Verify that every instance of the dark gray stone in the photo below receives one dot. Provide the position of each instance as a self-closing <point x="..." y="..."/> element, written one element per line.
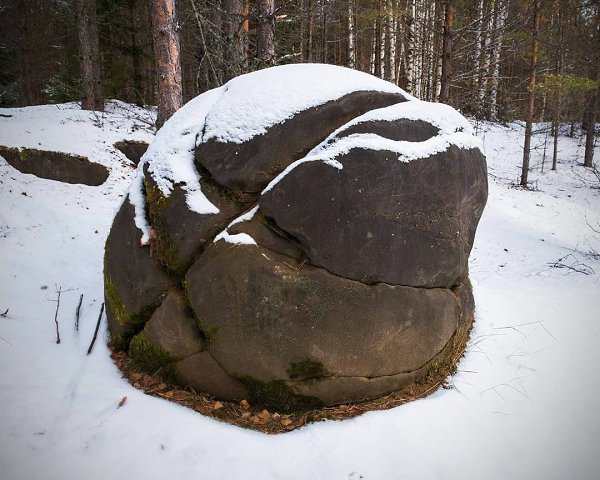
<point x="249" y="166"/>
<point x="204" y="374"/>
<point x="181" y="233"/>
<point x="174" y="330"/>
<point x="270" y="318"/>
<point x="358" y="285"/>
<point x="132" y="149"/>
<point x="59" y="166"/>
<point x="382" y="220"/>
<point x="402" y="129"/>
<point x="134" y="284"/>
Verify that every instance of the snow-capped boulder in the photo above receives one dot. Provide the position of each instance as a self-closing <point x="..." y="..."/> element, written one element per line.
<point x="312" y="225"/>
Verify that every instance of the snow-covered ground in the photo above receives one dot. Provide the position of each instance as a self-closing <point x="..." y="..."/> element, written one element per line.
<point x="524" y="400"/>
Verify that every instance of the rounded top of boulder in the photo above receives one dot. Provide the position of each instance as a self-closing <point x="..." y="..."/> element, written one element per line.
<point x="252" y="103"/>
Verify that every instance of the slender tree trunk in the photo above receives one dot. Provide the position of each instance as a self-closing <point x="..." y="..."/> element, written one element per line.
<point x="234" y="49"/>
<point x="410" y="47"/>
<point x="559" y="71"/>
<point x="351" y="36"/>
<point x="265" y="33"/>
<point x="500" y="12"/>
<point x="447" y="52"/>
<point x="590" y="123"/>
<point x="89" y="55"/>
<point x="393" y="34"/>
<point x="531" y="104"/>
<point x="166" y="58"/>
<point x="377" y="60"/>
<point x="311" y="30"/>
<point x="138" y="84"/>
<point x="388" y="65"/>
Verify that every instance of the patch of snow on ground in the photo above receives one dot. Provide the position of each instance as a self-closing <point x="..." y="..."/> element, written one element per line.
<point x="258" y="100"/>
<point x="525" y="397"/>
<point x="66" y="128"/>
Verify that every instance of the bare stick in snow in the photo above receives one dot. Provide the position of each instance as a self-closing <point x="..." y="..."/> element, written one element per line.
<point x="3" y="315"/>
<point x="97" y="328"/>
<point x="58" y="291"/>
<point x="77" y="313"/>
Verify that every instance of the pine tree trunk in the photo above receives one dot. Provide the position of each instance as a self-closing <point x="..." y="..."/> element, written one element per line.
<point x="89" y="55"/>
<point x="166" y="58"/>
<point x="447" y="52"/>
<point x="531" y="104"/>
<point x="265" y="33"/>
<point x="138" y="84"/>
<point x="234" y="49"/>
<point x="311" y="30"/>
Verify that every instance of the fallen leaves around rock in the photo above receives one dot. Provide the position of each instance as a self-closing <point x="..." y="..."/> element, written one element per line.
<point x="257" y="417"/>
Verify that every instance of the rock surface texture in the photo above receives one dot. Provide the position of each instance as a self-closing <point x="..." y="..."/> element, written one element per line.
<point x="301" y="246"/>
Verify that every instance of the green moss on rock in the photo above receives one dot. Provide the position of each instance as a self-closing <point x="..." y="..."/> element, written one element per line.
<point x="117" y="307"/>
<point x="153" y="359"/>
<point x="115" y="302"/>
<point x="157" y="201"/>
<point x="163" y="247"/>
<point x="276" y="394"/>
<point x="306" y="370"/>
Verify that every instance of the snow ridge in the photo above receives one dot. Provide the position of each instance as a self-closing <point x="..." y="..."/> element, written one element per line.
<point x="238" y="238"/>
<point x="170" y="160"/>
<point x="455" y="130"/>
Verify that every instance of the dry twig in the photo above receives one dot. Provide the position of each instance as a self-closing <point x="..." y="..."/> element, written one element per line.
<point x="97" y="328"/>
<point x="77" y="312"/>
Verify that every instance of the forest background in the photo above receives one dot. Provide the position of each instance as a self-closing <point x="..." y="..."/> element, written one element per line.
<point x="499" y="60"/>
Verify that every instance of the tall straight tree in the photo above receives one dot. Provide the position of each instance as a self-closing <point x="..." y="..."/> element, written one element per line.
<point x="265" y="33"/>
<point x="166" y="59"/>
<point x="234" y="48"/>
<point x="89" y="55"/>
<point x="447" y="51"/>
<point x="531" y="103"/>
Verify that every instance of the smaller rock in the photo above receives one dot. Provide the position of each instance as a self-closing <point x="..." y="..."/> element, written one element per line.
<point x="173" y="329"/>
<point x="203" y="374"/>
<point x="132" y="149"/>
<point x="59" y="166"/>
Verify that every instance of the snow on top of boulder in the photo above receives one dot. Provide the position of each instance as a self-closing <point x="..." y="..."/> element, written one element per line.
<point x="454" y="130"/>
<point x="238" y="238"/>
<point x="170" y="160"/>
<point x="258" y="100"/>
<point x="170" y="157"/>
<point x="440" y="115"/>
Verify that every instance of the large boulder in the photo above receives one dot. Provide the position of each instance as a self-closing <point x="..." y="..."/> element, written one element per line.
<point x="308" y="247"/>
